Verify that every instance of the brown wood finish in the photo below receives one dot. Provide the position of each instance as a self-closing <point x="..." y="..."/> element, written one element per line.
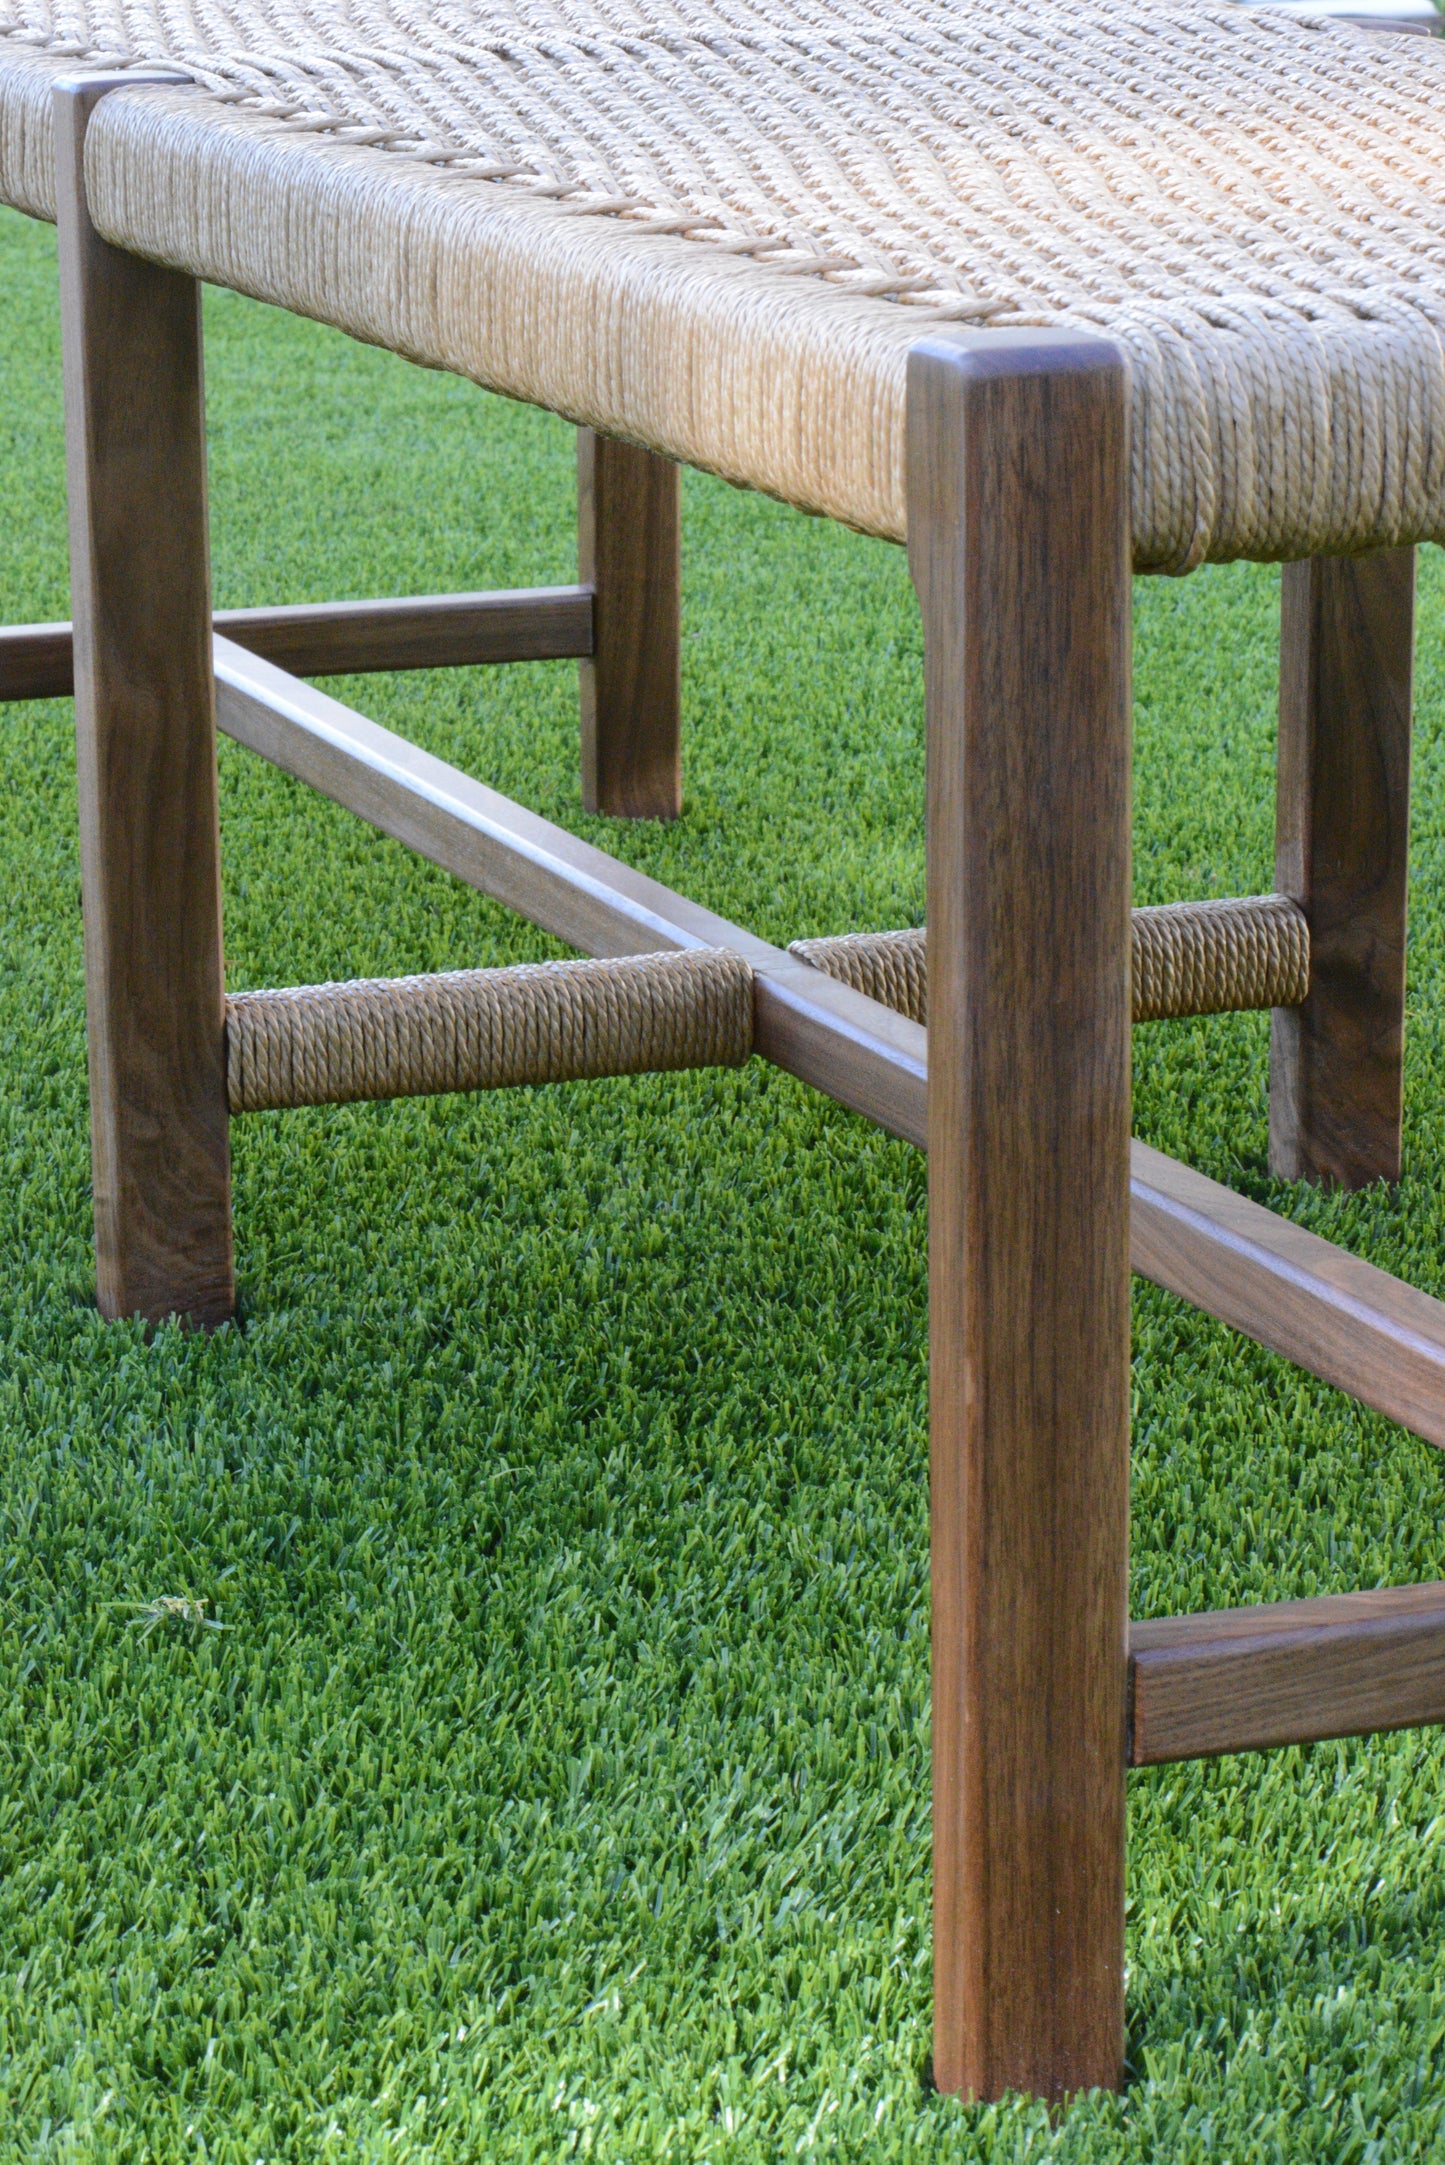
<point x="432" y="631"/>
<point x="150" y="866"/>
<point x="1019" y="547"/>
<point x="1335" y="1315"/>
<point x="1341" y="1318"/>
<point x="1341" y="848"/>
<point x="1288" y="1672"/>
<point x="350" y="638"/>
<point x="629" y="539"/>
<point x="36" y="661"/>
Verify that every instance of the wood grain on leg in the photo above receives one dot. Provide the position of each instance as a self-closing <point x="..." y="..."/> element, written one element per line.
<point x="145" y="731"/>
<point x="629" y="550"/>
<point x="1019" y="546"/>
<point x="1341" y="850"/>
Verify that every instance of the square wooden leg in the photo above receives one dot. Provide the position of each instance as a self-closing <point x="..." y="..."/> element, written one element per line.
<point x="145" y="732"/>
<point x="1019" y="545"/>
<point x="629" y="548"/>
<point x="1341" y="851"/>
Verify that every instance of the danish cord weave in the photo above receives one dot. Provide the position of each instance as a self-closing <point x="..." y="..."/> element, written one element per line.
<point x="1186" y="958"/>
<point x="487" y="1029"/>
<point x="716" y="226"/>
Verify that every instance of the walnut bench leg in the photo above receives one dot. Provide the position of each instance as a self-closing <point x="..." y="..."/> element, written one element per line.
<point x="1019" y="547"/>
<point x="628" y="546"/>
<point x="1341" y="852"/>
<point x="146" y="742"/>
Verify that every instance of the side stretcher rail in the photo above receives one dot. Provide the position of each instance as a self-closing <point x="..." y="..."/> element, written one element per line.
<point x="1286" y="1672"/>
<point x="349" y="638"/>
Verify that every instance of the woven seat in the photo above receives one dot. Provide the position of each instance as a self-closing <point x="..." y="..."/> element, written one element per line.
<point x="717" y="229"/>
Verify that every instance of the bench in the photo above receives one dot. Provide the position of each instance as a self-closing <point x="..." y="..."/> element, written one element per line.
<point x="1051" y="298"/>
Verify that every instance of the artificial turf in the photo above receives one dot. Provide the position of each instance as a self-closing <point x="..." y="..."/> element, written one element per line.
<point x="559" y="1782"/>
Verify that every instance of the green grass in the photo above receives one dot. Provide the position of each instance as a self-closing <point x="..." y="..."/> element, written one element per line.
<point x="559" y="1781"/>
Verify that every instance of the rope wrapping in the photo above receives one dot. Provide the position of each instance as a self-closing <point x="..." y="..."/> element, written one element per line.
<point x="1186" y="958"/>
<point x="638" y="1014"/>
<point x="717" y="229"/>
<point x="1211" y="958"/>
<point x="487" y="1029"/>
<point x="891" y="967"/>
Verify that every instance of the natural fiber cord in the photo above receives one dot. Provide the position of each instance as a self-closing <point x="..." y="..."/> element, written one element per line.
<point x="1187" y="958"/>
<point x="487" y="1029"/>
<point x="1207" y="958"/>
<point x="566" y="1021"/>
<point x="891" y="967"/>
<point x="716" y="226"/>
